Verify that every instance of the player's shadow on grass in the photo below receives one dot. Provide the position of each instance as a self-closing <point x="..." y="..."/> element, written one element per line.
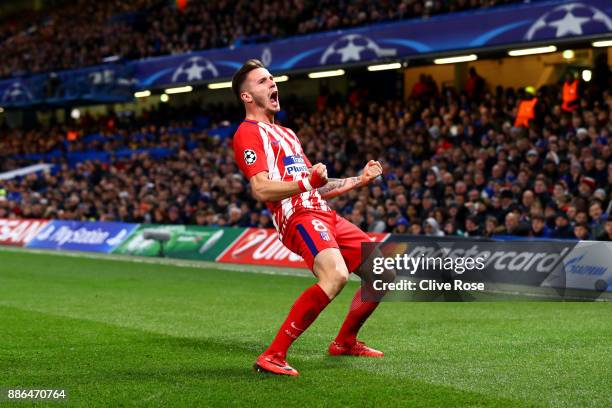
<point x="168" y="359"/>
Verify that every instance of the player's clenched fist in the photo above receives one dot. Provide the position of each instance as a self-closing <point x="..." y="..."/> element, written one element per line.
<point x="371" y="170"/>
<point x="317" y="178"/>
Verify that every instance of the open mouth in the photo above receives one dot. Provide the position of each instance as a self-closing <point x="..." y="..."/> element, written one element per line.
<point x="274" y="98"/>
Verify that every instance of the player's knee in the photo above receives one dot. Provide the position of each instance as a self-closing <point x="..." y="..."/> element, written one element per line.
<point x="340" y="277"/>
<point x="336" y="281"/>
<point x="333" y="276"/>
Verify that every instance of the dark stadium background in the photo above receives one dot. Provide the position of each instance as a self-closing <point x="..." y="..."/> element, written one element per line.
<point x="119" y="150"/>
<point x="454" y="164"/>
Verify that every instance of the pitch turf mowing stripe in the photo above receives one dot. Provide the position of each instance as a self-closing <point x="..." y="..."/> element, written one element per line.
<point x="105" y="365"/>
<point x="203" y="329"/>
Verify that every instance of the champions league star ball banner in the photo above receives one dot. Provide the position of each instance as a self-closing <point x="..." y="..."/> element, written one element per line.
<point x="101" y="83"/>
<point x="496" y="27"/>
<point x="405" y="268"/>
<point x="542" y="21"/>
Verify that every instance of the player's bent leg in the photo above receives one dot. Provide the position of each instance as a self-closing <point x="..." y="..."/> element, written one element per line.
<point x="364" y="303"/>
<point x="365" y="300"/>
<point x="331" y="271"/>
<point x="303" y="312"/>
<point x="388" y="276"/>
<point x="327" y="264"/>
<point x="310" y="237"/>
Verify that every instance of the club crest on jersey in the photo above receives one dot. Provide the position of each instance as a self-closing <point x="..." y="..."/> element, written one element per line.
<point x="250" y="156"/>
<point x="294" y="164"/>
<point x="325" y="236"/>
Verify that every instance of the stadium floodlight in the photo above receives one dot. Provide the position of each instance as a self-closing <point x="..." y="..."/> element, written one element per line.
<point x="532" y="51"/>
<point x="454" y="60"/>
<point x="220" y="85"/>
<point x="603" y="43"/>
<point x="111" y="58"/>
<point x="179" y="89"/>
<point x="164" y="98"/>
<point x="568" y="54"/>
<point x="326" y="74"/>
<point x="281" y="78"/>
<point x="384" y="67"/>
<point x="142" y="94"/>
<point x="587" y="74"/>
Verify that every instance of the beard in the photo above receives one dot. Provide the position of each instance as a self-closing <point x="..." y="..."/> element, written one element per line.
<point x="263" y="102"/>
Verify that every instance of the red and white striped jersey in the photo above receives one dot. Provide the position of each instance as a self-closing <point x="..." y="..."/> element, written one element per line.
<point x="260" y="146"/>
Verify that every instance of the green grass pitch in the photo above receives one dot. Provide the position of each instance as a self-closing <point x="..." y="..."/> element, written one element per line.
<point x="118" y="333"/>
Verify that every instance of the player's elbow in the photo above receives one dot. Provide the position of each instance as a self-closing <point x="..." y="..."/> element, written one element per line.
<point x="258" y="191"/>
<point x="259" y="195"/>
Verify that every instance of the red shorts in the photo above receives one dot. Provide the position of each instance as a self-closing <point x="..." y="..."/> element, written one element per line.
<point x="310" y="232"/>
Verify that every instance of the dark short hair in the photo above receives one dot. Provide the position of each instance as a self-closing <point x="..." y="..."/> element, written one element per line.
<point x="584" y="225"/>
<point x="242" y="73"/>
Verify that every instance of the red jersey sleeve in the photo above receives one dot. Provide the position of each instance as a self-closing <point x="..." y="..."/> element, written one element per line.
<point x="249" y="150"/>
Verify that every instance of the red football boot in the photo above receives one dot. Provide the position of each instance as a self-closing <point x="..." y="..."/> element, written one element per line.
<point x="358" y="349"/>
<point x="275" y="364"/>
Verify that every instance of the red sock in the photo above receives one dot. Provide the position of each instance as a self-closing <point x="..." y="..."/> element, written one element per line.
<point x="358" y="313"/>
<point x="303" y="312"/>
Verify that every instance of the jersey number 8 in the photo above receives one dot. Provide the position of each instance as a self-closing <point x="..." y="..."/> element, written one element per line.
<point x="318" y="225"/>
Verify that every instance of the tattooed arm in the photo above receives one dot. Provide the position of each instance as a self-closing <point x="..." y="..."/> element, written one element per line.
<point x="335" y="187"/>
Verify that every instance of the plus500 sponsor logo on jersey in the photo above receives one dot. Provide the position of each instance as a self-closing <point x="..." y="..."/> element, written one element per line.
<point x="82" y="236"/>
<point x="294" y="164"/>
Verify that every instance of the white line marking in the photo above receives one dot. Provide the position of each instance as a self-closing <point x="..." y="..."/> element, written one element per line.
<point x="183" y="263"/>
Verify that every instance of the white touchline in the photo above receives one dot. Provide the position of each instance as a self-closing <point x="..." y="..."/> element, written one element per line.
<point x="183" y="263"/>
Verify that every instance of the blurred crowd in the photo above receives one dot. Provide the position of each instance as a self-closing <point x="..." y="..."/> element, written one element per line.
<point x="73" y="34"/>
<point x="454" y="164"/>
<point x="86" y="32"/>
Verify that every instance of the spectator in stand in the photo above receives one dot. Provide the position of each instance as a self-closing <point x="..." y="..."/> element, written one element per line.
<point x="420" y="88"/>
<point x="472" y="227"/>
<point x="374" y="221"/>
<point x="563" y="229"/>
<point x="539" y="228"/>
<point x="514" y="226"/>
<point x="416" y="227"/>
<point x="491" y="226"/>
<point x="582" y="232"/>
<point x="527" y="109"/>
<point x="571" y="94"/>
<point x="432" y="228"/>
<point x="475" y="85"/>
<point x="597" y="216"/>
<point x="606" y="235"/>
<point x="401" y="227"/>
